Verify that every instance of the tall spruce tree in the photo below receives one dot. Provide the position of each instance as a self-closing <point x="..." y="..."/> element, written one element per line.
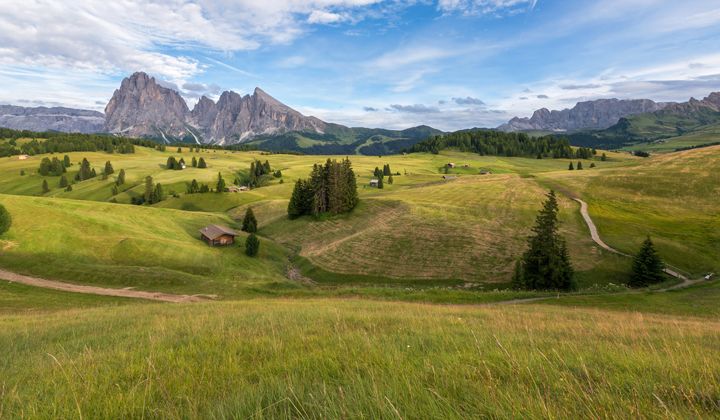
<point x="249" y="222"/>
<point x="121" y="177"/>
<point x="579" y="166"/>
<point x="647" y="266"/>
<point x="546" y="263"/>
<point x="194" y="162"/>
<point x="149" y="189"/>
<point x="66" y="161"/>
<point x="220" y="186"/>
<point x="63" y="182"/>
<point x="5" y="220"/>
<point x="571" y="167"/>
<point x="108" y="168"/>
<point x="201" y="163"/>
<point x="45" y="187"/>
<point x="386" y="170"/>
<point x="300" y="200"/>
<point x="252" y="245"/>
<point x="158" y="194"/>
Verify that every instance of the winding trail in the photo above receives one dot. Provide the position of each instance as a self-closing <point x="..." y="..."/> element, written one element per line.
<point x="103" y="291"/>
<point x="672" y="271"/>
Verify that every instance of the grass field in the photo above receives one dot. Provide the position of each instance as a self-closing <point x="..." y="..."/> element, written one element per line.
<point x="348" y="359"/>
<point x="395" y="314"/>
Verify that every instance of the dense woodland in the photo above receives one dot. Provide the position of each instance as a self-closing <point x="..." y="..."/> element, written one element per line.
<point x="331" y="188"/>
<point x="498" y="143"/>
<point x="55" y="142"/>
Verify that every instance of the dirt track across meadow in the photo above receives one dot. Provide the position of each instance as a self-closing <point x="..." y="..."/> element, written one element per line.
<point x="103" y="291"/>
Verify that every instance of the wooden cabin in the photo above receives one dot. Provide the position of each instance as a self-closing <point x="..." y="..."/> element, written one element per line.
<point x="23" y="157"/>
<point x="236" y="188"/>
<point x="216" y="235"/>
<point x="374" y="182"/>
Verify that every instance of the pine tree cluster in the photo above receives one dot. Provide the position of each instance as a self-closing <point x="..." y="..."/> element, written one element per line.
<point x="175" y="164"/>
<point x="331" y="188"/>
<point x="53" y="167"/>
<point x="258" y="171"/>
<point x="546" y="263"/>
<point x="85" y="172"/>
<point x="195" y="188"/>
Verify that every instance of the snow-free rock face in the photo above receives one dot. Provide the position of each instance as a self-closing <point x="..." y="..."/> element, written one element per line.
<point x="51" y="119"/>
<point x="235" y="118"/>
<point x="141" y="107"/>
<point x="595" y="115"/>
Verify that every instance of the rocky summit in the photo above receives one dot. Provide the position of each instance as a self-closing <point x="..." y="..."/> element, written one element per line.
<point x="141" y="107"/>
<point x="594" y="115"/>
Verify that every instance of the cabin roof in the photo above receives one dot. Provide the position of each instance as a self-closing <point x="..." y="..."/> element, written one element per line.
<point x="216" y="231"/>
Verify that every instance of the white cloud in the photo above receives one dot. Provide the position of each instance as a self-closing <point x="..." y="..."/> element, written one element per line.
<point x="325" y="17"/>
<point x="474" y="7"/>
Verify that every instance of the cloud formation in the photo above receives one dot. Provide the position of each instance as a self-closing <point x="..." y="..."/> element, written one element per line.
<point x="468" y="101"/>
<point x="415" y="109"/>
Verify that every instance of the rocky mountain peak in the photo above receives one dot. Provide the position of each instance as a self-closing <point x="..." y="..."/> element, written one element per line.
<point x="143" y="107"/>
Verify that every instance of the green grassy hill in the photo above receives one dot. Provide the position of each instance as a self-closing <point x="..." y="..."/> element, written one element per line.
<point x="383" y="312"/>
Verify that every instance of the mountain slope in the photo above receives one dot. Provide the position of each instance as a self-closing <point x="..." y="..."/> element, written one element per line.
<point x="598" y="114"/>
<point x="679" y="119"/>
<point x="51" y="119"/>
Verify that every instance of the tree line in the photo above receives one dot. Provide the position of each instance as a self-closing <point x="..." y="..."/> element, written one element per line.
<point x="331" y="188"/>
<point x="498" y="143"/>
<point x="66" y="142"/>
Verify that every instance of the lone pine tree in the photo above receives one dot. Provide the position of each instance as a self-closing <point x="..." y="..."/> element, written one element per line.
<point x="249" y="222"/>
<point x="252" y="245"/>
<point x="647" y="266"/>
<point x="546" y="263"/>
<point x="5" y="220"/>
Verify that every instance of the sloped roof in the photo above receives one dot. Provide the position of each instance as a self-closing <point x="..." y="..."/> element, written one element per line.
<point x="216" y="231"/>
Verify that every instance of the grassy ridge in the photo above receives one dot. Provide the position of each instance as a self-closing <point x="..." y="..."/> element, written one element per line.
<point x="338" y="358"/>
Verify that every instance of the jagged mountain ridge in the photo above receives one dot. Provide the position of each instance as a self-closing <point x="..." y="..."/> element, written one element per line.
<point x="143" y="108"/>
<point x="51" y="119"/>
<point x="589" y="115"/>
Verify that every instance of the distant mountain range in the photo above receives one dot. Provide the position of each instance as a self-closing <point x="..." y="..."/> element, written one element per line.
<point x="51" y="119"/>
<point x="141" y="107"/>
<point x="588" y="115"/>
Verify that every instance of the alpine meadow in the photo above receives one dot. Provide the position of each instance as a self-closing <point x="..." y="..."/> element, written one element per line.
<point x="457" y="209"/>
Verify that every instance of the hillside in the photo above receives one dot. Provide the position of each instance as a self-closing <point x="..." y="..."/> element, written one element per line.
<point x="696" y="118"/>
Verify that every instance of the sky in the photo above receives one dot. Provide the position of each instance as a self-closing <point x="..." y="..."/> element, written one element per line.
<point x="450" y="64"/>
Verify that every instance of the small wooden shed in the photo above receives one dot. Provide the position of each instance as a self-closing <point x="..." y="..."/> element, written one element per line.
<point x="23" y="157"/>
<point x="216" y="235"/>
<point x="374" y="182"/>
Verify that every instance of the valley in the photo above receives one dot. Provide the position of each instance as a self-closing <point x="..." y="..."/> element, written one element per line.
<point x="420" y="269"/>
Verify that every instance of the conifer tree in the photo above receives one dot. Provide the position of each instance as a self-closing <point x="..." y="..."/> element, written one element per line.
<point x="22" y="172"/>
<point x="121" y="178"/>
<point x="380" y="183"/>
<point x="149" y="189"/>
<point x="647" y="266"/>
<point x="108" y="168"/>
<point x="386" y="170"/>
<point x="300" y="200"/>
<point x="5" y="220"/>
<point x="546" y="263"/>
<point x="66" y="161"/>
<point x="603" y="157"/>
<point x="570" y="167"/>
<point x="252" y="245"/>
<point x="390" y="179"/>
<point x="93" y="174"/>
<point x="194" y="162"/>
<point x="220" y="187"/>
<point x="158" y="195"/>
<point x="579" y="166"/>
<point x="115" y="190"/>
<point x="45" y="188"/>
<point x="69" y="188"/>
<point x="592" y="164"/>
<point x="63" y="182"/>
<point x="201" y="163"/>
<point x="249" y="222"/>
<point x="179" y="150"/>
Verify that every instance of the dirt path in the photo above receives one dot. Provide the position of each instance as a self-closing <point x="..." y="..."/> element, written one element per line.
<point x="671" y="271"/>
<point x="94" y="290"/>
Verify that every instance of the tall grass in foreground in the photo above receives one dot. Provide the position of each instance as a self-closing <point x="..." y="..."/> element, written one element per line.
<point x="354" y="358"/>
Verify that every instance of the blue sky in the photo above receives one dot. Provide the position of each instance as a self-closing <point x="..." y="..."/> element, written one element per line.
<point x="450" y="63"/>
